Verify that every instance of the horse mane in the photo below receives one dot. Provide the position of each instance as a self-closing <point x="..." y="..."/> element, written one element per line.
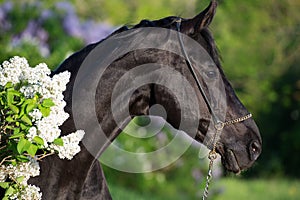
<point x="167" y="22"/>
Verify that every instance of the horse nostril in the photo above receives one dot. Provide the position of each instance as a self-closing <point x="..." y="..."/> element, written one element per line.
<point x="255" y="150"/>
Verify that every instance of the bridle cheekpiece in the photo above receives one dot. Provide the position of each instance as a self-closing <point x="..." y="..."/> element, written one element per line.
<point x="218" y="124"/>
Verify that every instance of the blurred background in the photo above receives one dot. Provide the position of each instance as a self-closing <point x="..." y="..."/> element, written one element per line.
<point x="260" y="46"/>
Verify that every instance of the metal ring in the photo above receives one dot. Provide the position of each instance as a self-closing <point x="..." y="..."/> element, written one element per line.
<point x="219" y="126"/>
<point x="212" y="155"/>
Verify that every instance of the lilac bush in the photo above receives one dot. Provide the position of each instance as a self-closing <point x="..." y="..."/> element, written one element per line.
<point x="39" y="31"/>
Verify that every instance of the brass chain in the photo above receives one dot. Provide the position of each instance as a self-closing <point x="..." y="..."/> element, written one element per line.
<point x="238" y="120"/>
<point x="212" y="156"/>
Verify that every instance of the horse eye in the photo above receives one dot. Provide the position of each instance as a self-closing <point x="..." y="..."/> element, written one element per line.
<point x="211" y="74"/>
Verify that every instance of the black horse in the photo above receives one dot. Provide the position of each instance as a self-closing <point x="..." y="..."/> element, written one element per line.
<point x="82" y="178"/>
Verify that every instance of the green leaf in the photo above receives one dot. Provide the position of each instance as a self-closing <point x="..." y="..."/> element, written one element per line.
<point x="21" y="101"/>
<point x="59" y="142"/>
<point x="23" y="126"/>
<point x="14" y="108"/>
<point x="16" y="130"/>
<point x="5" y="198"/>
<point x="26" y="119"/>
<point x="9" y="191"/>
<point x="30" y="107"/>
<point x="14" y="162"/>
<point x="23" y="145"/>
<point x="38" y="140"/>
<point x="11" y="94"/>
<point x="9" y="119"/>
<point x="22" y="158"/>
<point x="32" y="150"/>
<point x="45" y="111"/>
<point x="8" y="85"/>
<point x="2" y="102"/>
<point x="47" y="103"/>
<point x="16" y="135"/>
<point x="10" y="98"/>
<point x="12" y="146"/>
<point x="24" y="105"/>
<point x="20" y="179"/>
<point x="4" y="185"/>
<point x="10" y="127"/>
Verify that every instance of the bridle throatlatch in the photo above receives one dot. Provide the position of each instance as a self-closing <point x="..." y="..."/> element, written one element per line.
<point x="218" y="124"/>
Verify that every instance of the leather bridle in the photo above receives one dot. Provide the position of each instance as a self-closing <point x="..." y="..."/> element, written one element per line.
<point x="218" y="124"/>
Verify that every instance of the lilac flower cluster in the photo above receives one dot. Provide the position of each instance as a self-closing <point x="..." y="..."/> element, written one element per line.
<point x="5" y="8"/>
<point x="34" y="85"/>
<point x="89" y="31"/>
<point x="35" y="33"/>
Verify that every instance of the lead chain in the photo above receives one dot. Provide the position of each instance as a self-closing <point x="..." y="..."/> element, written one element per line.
<point x="212" y="156"/>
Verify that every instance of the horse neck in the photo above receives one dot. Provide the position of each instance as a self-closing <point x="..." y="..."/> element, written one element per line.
<point x="143" y="97"/>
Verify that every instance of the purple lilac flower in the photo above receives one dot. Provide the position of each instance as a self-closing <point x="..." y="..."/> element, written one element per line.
<point x="2" y="15"/>
<point x="7" y="6"/>
<point x="66" y="6"/>
<point x="95" y="31"/>
<point x="4" y="9"/>
<point x="72" y="25"/>
<point x="34" y="34"/>
<point x="89" y="31"/>
<point x="46" y="14"/>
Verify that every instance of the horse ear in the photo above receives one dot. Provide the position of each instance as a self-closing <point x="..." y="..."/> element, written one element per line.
<point x="201" y="20"/>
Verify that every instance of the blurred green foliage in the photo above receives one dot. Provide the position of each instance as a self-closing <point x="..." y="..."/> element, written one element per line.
<point x="182" y="179"/>
<point x="260" y="45"/>
<point x="259" y="42"/>
<point x="231" y="188"/>
<point x="257" y="189"/>
<point x="121" y="12"/>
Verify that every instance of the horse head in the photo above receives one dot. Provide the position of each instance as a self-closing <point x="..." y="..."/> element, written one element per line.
<point x="239" y="143"/>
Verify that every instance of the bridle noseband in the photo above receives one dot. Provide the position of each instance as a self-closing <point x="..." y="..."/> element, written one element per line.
<point x="218" y="124"/>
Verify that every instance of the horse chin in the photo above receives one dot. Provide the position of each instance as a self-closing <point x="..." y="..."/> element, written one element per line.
<point x="229" y="160"/>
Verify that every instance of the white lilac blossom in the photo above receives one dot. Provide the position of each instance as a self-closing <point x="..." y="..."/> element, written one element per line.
<point x="32" y="132"/>
<point x="70" y="147"/>
<point x="3" y="174"/>
<point x="31" y="192"/>
<point x="36" y="114"/>
<point x="25" y="169"/>
<point x="12" y="71"/>
<point x="36" y="83"/>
